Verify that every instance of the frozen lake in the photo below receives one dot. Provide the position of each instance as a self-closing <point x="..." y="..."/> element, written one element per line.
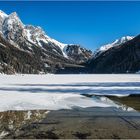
<point x="52" y="92"/>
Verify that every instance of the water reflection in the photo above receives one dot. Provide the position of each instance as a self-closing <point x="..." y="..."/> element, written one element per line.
<point x="118" y="104"/>
<point x="132" y="101"/>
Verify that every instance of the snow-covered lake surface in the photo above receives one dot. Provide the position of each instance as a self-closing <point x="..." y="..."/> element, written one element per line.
<point x="52" y="92"/>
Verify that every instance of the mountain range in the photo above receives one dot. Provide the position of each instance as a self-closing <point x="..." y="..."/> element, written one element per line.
<point x="28" y="49"/>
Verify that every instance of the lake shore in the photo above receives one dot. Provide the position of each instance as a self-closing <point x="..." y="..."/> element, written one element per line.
<point x="85" y="123"/>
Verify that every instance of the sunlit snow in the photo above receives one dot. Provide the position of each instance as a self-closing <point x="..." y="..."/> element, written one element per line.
<point x="52" y="92"/>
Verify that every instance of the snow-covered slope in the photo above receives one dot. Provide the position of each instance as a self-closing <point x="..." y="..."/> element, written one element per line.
<point x="117" y="42"/>
<point x="36" y="35"/>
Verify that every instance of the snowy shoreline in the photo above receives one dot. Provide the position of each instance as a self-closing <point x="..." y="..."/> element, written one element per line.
<point x="54" y="92"/>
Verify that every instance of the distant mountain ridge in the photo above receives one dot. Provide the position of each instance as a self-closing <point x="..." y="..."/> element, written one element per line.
<point x="117" y="42"/>
<point x="122" y="58"/>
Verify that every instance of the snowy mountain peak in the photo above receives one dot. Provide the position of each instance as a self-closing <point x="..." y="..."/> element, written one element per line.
<point x="34" y="40"/>
<point x="117" y="42"/>
<point x="15" y="31"/>
<point x="2" y="14"/>
<point x="14" y="18"/>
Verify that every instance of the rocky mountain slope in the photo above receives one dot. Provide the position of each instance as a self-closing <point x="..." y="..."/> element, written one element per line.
<point x="27" y="49"/>
<point x="123" y="58"/>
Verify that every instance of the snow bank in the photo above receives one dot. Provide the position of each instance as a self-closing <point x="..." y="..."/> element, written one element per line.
<point x="39" y="101"/>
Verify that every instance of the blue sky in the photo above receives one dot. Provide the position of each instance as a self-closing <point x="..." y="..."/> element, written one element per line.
<point x="90" y="24"/>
